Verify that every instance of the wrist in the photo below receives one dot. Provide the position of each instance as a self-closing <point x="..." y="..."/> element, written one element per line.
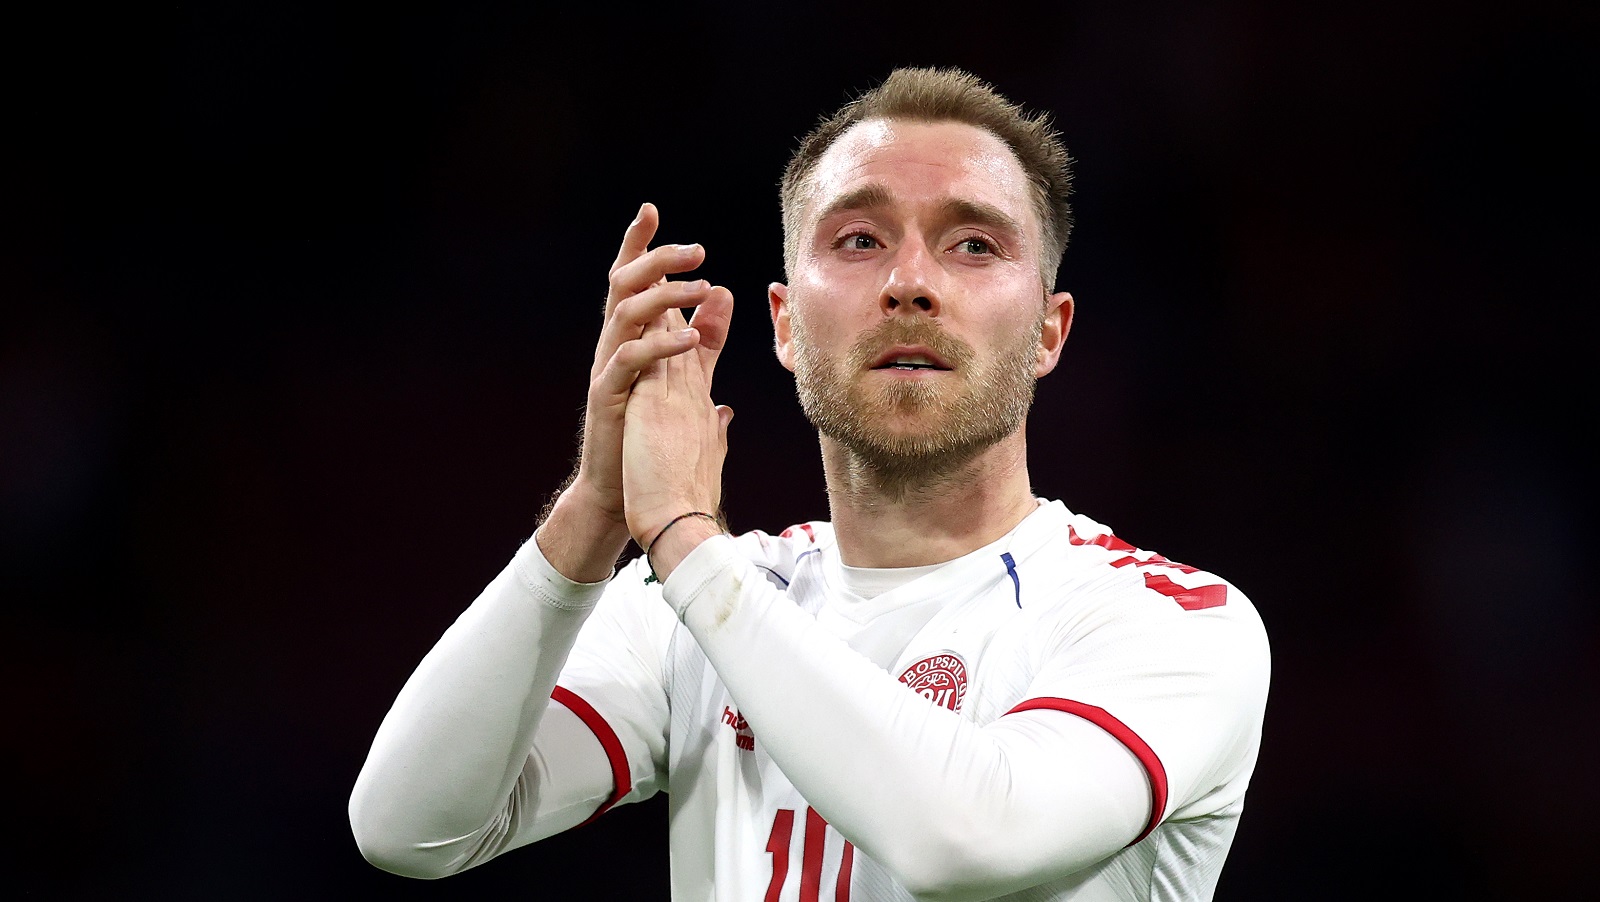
<point x="594" y="498"/>
<point x="677" y="538"/>
<point x="579" y="539"/>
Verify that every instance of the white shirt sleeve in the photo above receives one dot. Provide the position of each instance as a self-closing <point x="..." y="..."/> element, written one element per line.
<point x="471" y="759"/>
<point x="1188" y="687"/>
<point x="997" y="808"/>
<point x="615" y="679"/>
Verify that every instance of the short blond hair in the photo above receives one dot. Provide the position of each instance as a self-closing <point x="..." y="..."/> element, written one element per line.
<point x="947" y="95"/>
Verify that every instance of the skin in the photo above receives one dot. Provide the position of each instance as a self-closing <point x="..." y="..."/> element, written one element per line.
<point x="587" y="528"/>
<point x="917" y="236"/>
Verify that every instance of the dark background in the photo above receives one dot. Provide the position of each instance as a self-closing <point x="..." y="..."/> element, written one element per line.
<point x="299" y="303"/>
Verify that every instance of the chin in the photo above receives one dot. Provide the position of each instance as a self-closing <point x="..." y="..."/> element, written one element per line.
<point x="904" y="439"/>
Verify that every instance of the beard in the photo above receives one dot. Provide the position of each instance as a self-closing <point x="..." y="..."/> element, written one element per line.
<point x="912" y="433"/>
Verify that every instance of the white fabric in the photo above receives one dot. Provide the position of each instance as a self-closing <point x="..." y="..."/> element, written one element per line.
<point x="776" y="704"/>
<point x="870" y="582"/>
<point x="455" y="775"/>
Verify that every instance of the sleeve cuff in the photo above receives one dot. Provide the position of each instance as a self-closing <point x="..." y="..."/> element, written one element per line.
<point x="545" y="583"/>
<point x="710" y="559"/>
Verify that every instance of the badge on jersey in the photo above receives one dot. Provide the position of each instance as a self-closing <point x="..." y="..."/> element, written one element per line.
<point x="940" y="678"/>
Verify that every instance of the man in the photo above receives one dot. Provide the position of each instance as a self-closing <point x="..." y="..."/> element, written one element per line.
<point x="953" y="690"/>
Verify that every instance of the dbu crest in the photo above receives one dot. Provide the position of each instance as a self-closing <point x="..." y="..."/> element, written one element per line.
<point x="940" y="678"/>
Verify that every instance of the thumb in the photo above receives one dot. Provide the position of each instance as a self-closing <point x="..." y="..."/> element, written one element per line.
<point x="724" y="417"/>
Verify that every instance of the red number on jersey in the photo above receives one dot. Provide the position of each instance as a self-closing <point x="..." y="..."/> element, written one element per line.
<point x="778" y="842"/>
<point x="778" y="845"/>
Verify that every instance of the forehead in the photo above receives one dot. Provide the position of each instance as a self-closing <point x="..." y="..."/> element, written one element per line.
<point x="923" y="162"/>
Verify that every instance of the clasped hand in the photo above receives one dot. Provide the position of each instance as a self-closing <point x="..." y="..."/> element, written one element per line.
<point x="653" y="441"/>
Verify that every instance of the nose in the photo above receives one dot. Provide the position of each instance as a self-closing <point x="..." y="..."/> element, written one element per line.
<point x="911" y="286"/>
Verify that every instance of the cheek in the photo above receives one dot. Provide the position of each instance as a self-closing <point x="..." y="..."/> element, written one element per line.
<point x="1018" y="332"/>
<point x="817" y="336"/>
<point x="828" y="277"/>
<point x="826" y="319"/>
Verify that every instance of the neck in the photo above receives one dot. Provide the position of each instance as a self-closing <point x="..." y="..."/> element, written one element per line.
<point x="892" y="517"/>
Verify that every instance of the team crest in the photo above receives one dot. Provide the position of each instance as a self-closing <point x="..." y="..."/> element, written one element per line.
<point x="940" y="678"/>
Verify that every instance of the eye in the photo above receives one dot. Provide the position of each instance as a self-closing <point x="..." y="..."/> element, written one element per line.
<point x="977" y="246"/>
<point x="857" y="241"/>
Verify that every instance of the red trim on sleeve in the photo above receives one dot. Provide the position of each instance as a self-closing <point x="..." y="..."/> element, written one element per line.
<point x="591" y="718"/>
<point x="1121" y="732"/>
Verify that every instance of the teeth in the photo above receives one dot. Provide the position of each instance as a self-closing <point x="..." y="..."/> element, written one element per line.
<point x="911" y="360"/>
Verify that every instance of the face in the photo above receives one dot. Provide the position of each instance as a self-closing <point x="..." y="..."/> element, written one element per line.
<point x="915" y="320"/>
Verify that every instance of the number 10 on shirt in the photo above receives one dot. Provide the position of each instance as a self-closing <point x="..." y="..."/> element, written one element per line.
<point x="814" y="838"/>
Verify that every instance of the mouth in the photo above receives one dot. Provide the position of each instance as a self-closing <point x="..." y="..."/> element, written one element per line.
<point x="910" y="359"/>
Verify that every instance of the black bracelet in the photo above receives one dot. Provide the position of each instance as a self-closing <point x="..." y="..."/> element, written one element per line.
<point x="651" y="564"/>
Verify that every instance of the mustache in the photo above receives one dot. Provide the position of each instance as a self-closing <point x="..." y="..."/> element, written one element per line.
<point x="904" y="331"/>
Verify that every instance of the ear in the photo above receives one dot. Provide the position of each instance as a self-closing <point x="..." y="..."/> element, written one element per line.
<point x="1053" y="334"/>
<point x="782" y="331"/>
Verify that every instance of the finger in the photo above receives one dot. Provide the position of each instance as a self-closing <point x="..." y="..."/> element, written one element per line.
<point x="635" y="243"/>
<point x="712" y="317"/>
<point x="724" y="417"/>
<point x="650" y="268"/>
<point x="646" y="311"/>
<point x="633" y="357"/>
<point x="636" y="239"/>
<point x="649" y="307"/>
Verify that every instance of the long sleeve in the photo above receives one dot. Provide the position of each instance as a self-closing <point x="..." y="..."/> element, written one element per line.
<point x="472" y="759"/>
<point x="1032" y="796"/>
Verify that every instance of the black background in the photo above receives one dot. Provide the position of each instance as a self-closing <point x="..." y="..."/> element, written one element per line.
<point x="299" y="303"/>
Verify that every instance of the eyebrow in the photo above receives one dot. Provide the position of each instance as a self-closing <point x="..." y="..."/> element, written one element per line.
<point x="875" y="196"/>
<point x="867" y="197"/>
<point x="982" y="214"/>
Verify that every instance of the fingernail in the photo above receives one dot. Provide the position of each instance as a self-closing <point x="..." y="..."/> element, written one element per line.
<point x="686" y="248"/>
<point x="686" y="334"/>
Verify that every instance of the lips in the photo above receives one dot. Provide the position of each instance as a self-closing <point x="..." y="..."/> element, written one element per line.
<point x="910" y="357"/>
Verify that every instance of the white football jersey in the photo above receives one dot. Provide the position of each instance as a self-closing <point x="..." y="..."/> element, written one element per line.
<point x="1060" y="614"/>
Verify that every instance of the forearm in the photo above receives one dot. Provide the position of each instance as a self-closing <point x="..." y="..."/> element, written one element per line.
<point x="451" y="750"/>
<point x="955" y="810"/>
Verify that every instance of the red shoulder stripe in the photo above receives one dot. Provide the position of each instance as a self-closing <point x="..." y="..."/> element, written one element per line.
<point x="803" y="527"/>
<point x="1212" y="596"/>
